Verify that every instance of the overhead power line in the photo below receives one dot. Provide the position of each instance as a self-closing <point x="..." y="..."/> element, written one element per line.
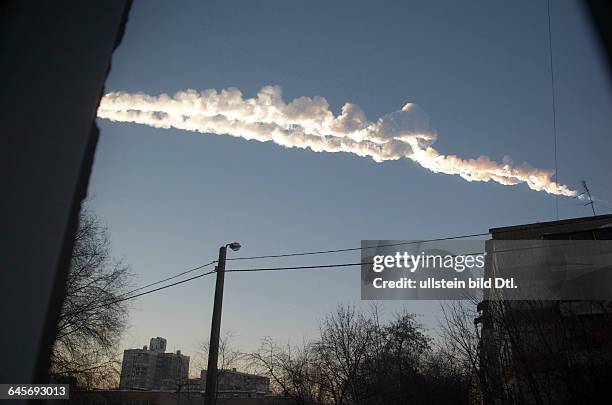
<point x="298" y="254"/>
<point x="213" y="271"/>
<point x="554" y="103"/>
<point x="169" y="278"/>
<point x="152" y="291"/>
<point x="323" y="266"/>
<point x="320" y="252"/>
<point x="128" y="295"/>
<point x="118" y="300"/>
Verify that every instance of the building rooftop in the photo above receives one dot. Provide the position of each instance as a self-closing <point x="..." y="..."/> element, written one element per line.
<point x="536" y="230"/>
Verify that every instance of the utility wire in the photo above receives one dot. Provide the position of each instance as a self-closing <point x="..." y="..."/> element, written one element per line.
<point x="356" y="248"/>
<point x="128" y="295"/>
<point x="299" y="267"/>
<point x="88" y="307"/>
<point x="324" y="266"/>
<point x="296" y="254"/>
<point x="152" y="291"/>
<point x="115" y="301"/>
<point x="169" y="278"/>
<point x="554" y="107"/>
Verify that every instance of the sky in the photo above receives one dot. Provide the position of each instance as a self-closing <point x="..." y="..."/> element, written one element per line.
<point x="479" y="69"/>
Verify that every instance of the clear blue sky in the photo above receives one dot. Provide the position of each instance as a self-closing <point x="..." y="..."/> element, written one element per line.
<point x="480" y="69"/>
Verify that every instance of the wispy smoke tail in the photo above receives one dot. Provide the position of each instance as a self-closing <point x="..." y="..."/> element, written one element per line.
<point x="308" y="123"/>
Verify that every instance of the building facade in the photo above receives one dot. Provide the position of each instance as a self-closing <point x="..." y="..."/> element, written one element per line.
<point x="236" y="381"/>
<point x="152" y="368"/>
<point x="546" y="351"/>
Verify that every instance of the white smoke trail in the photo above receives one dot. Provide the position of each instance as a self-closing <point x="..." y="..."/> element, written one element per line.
<point x="308" y="123"/>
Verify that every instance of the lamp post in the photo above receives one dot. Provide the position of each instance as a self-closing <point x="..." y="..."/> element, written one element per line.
<point x="213" y="347"/>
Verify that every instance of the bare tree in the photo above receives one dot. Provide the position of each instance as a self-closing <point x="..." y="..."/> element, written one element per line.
<point x="228" y="357"/>
<point x="459" y="340"/>
<point x="293" y="371"/>
<point x="358" y="359"/>
<point x="342" y="349"/>
<point x="91" y="323"/>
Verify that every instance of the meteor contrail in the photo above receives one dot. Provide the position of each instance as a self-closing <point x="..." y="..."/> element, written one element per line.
<point x="308" y="123"/>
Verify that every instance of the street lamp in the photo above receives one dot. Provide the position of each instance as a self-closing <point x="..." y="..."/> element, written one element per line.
<point x="213" y="347"/>
<point x="235" y="246"/>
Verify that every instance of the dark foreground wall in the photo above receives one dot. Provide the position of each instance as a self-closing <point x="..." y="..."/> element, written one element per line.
<point x="55" y="59"/>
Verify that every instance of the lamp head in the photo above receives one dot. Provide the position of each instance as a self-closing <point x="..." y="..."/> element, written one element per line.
<point x="235" y="246"/>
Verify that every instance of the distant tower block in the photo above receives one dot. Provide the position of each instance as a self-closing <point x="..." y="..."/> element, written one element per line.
<point x="157" y="344"/>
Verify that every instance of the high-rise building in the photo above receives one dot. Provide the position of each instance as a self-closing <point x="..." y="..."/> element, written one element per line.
<point x="157" y="344"/>
<point x="138" y="368"/>
<point x="153" y="369"/>
<point x="173" y="367"/>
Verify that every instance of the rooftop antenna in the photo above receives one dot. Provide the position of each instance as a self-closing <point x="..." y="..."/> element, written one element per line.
<point x="588" y="193"/>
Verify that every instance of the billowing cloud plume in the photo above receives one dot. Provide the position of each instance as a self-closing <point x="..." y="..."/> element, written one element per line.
<point x="308" y="123"/>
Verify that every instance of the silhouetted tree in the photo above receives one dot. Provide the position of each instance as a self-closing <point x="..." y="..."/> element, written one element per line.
<point x="459" y="341"/>
<point x="293" y="371"/>
<point x="228" y="358"/>
<point x="358" y="359"/>
<point x="90" y="324"/>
